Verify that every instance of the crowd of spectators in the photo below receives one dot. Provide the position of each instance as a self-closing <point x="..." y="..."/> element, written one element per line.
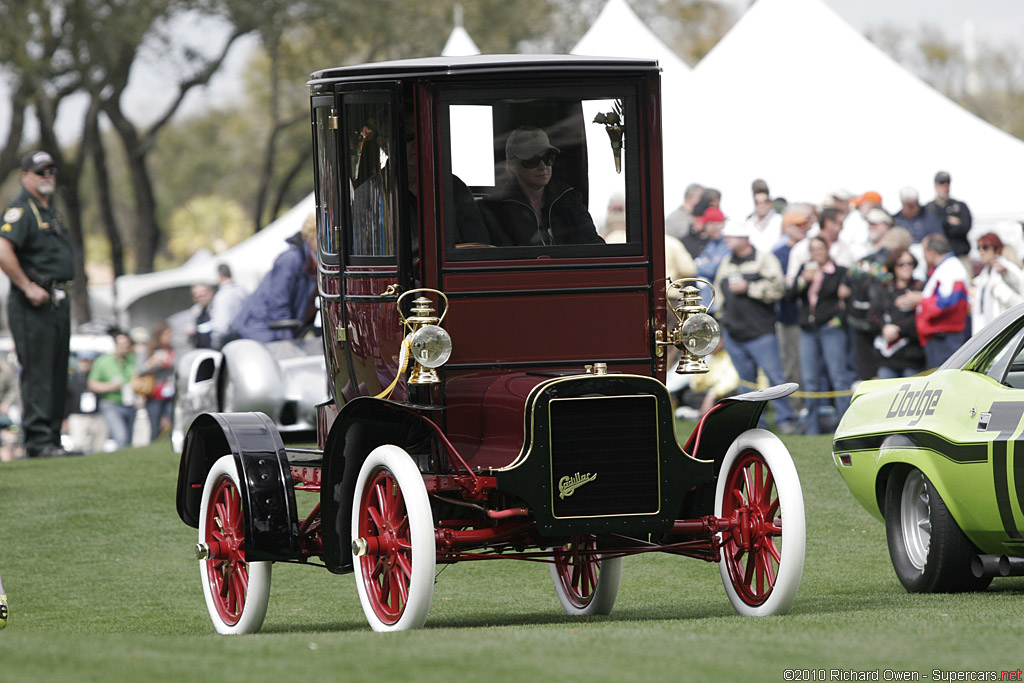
<point x="834" y="293"/>
<point x="825" y="295"/>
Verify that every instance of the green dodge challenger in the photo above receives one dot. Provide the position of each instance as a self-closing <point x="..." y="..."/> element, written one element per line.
<point x="936" y="457"/>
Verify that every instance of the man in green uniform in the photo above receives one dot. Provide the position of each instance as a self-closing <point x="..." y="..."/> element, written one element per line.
<point x="35" y="253"/>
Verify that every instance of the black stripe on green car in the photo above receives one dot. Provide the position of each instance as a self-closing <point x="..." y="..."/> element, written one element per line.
<point x="957" y="452"/>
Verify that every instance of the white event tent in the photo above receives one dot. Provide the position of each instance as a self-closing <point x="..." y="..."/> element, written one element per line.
<point x="619" y="32"/>
<point x="796" y="96"/>
<point x="459" y="43"/>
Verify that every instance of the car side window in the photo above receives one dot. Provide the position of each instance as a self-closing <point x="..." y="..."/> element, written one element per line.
<point x="538" y="174"/>
<point x="325" y="121"/>
<point x="372" y="177"/>
<point x="1003" y="359"/>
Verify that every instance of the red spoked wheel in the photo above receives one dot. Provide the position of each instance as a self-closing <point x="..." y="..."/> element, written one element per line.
<point x="237" y="592"/>
<point x="586" y="583"/>
<point x="393" y="540"/>
<point x="763" y="549"/>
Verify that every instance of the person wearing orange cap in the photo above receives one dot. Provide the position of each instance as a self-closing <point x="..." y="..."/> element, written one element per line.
<point x="855" y="226"/>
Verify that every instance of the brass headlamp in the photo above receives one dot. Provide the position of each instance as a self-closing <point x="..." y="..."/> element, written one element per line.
<point x="696" y="334"/>
<point x="430" y="345"/>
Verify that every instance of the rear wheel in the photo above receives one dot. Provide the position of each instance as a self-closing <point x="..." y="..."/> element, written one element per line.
<point x="237" y="592"/>
<point x="393" y="531"/>
<point x="763" y="551"/>
<point x="929" y="552"/>
<point x="586" y="583"/>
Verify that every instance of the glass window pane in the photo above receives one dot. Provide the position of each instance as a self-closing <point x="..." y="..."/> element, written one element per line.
<point x="472" y="144"/>
<point x="540" y="174"/>
<point x="372" y="179"/>
<point x="327" y="196"/>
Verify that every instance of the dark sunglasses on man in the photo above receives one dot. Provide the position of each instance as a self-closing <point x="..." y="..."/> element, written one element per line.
<point x="49" y="170"/>
<point x="548" y="159"/>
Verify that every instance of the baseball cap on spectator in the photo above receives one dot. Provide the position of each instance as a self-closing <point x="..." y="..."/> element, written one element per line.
<point x="712" y="215"/>
<point x="877" y="215"/>
<point x="941" y="178"/>
<point x="37" y="161"/>
<point x="872" y="197"/>
<point x="735" y="229"/>
<point x="528" y="142"/>
<point x="843" y="195"/>
<point x="795" y="218"/>
<point x="908" y="194"/>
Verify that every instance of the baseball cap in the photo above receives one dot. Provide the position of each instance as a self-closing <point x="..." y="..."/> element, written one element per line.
<point x="908" y="193"/>
<point x="942" y="177"/>
<point x="37" y="161"/>
<point x="712" y="215"/>
<point x="872" y="197"/>
<point x="843" y="195"/>
<point x="795" y="218"/>
<point x="527" y="142"/>
<point x="735" y="229"/>
<point x="877" y="215"/>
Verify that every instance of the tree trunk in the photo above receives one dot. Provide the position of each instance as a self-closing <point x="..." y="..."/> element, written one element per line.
<point x="93" y="144"/>
<point x="147" y="230"/>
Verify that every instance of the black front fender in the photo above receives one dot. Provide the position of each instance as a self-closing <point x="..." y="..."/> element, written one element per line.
<point x="268" y="498"/>
<point x="362" y="425"/>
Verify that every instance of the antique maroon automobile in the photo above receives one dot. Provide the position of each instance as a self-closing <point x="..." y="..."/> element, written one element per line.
<point x="495" y="364"/>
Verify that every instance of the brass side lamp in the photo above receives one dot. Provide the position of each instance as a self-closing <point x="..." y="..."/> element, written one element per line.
<point x="430" y="345"/>
<point x="696" y="333"/>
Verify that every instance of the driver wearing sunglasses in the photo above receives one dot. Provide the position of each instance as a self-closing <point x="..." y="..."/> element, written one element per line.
<point x="533" y="208"/>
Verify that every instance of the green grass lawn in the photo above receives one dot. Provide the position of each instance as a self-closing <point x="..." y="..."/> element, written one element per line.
<point x="102" y="587"/>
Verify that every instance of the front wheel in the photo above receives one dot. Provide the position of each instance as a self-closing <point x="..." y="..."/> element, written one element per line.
<point x="393" y="541"/>
<point x="763" y="551"/>
<point x="928" y="550"/>
<point x="237" y="592"/>
<point x="586" y="583"/>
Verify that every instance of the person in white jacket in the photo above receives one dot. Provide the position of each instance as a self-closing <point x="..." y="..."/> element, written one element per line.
<point x="998" y="287"/>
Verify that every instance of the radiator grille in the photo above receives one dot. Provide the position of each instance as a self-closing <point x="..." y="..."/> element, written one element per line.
<point x="604" y="456"/>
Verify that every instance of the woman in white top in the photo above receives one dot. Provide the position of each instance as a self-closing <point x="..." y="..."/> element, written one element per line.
<point x="998" y="287"/>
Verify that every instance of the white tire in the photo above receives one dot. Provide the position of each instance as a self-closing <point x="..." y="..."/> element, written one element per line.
<point x="585" y="584"/>
<point x="237" y="592"/>
<point x="391" y="510"/>
<point x="762" y="560"/>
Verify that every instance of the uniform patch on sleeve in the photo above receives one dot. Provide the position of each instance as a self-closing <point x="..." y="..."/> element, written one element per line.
<point x="13" y="214"/>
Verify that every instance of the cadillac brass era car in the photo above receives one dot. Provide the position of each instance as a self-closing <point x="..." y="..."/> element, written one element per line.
<point x="935" y="457"/>
<point x="495" y="366"/>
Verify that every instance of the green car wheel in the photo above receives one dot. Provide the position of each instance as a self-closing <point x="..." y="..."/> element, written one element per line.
<point x="928" y="550"/>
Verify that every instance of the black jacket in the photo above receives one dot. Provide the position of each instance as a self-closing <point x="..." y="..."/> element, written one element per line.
<point x="829" y="304"/>
<point x="511" y="220"/>
<point x="956" y="234"/>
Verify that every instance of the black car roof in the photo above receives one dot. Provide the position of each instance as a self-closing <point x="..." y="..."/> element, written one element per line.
<point x="479" y="64"/>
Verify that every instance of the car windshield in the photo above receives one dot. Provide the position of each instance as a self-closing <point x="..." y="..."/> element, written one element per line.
<point x="539" y="172"/>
